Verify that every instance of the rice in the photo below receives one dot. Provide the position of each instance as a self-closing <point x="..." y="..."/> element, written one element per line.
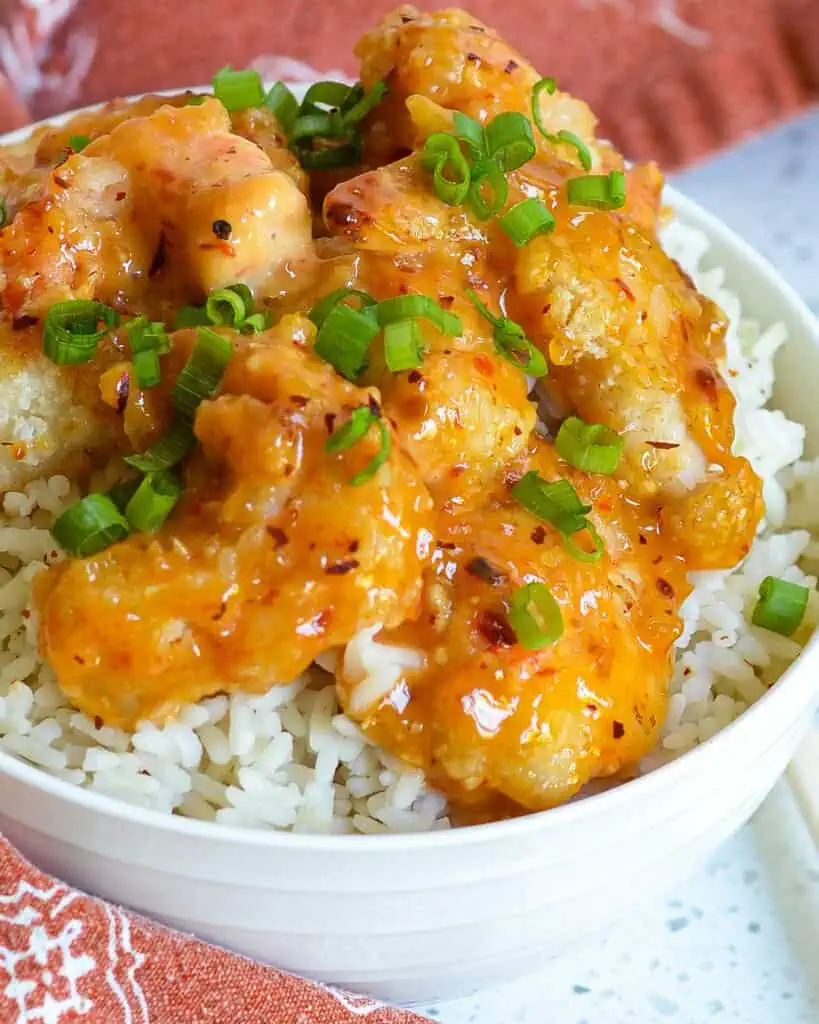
<point x="290" y="760"/>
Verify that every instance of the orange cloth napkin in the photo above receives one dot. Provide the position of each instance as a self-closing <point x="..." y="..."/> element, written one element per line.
<point x="66" y="957"/>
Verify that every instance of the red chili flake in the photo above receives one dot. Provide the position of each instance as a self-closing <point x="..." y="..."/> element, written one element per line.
<point x="79" y="660"/>
<point x="617" y="730"/>
<point x="657" y="560"/>
<point x="664" y="445"/>
<point x="288" y="469"/>
<point x="122" y="389"/>
<point x="593" y="710"/>
<point x="624" y="288"/>
<point x="21" y="322"/>
<point x="686" y="671"/>
<point x="445" y="301"/>
<point x="221" y="612"/>
<point x="495" y="629"/>
<point x="19" y="452"/>
<point x="511" y="65"/>
<point x="642" y="539"/>
<point x="446" y="545"/>
<point x="517" y="431"/>
<point x="484" y="570"/>
<point x="340" y="568"/>
<point x="26" y="613"/>
<point x="299" y="400"/>
<point x="120" y="196"/>
<point x="278" y="536"/>
<point x="707" y="380"/>
<point x="374" y="407"/>
<point x="415" y="377"/>
<point x="60" y="182"/>
<point x="484" y="365"/>
<point x="406" y="19"/>
<point x="98" y="722"/>
<point x="329" y="421"/>
<point x="222" y="229"/>
<point x="538" y="534"/>
<point x="665" y="588"/>
<point x="472" y="56"/>
<point x="546" y="308"/>
<point x="353" y="546"/>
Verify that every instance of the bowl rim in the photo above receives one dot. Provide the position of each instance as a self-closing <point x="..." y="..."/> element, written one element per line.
<point x="607" y="801"/>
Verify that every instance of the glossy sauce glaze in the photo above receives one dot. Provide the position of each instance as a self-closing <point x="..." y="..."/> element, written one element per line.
<point x="274" y="557"/>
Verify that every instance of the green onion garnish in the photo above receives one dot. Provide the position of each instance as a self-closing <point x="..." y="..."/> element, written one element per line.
<point x="535" y="616"/>
<point x="344" y="339"/>
<point x="487" y="174"/>
<point x="411" y="307"/>
<point x="547" y="85"/>
<point x="509" y="140"/>
<point x="198" y="380"/>
<point x="71" y="330"/>
<point x="4" y="217"/>
<point x="326" y="94"/>
<point x="167" y="451"/>
<point x="353" y="431"/>
<point x="592" y="447"/>
<point x="90" y="526"/>
<point x="556" y="502"/>
<point x="229" y="306"/>
<point x="190" y="316"/>
<point x="598" y="191"/>
<point x="359" y="103"/>
<point x="202" y="373"/>
<point x="526" y="219"/>
<point x="511" y="341"/>
<point x="283" y="104"/>
<point x="147" y="369"/>
<point x="781" y="606"/>
<point x="403" y="346"/>
<point x="329" y="157"/>
<point x="255" y="323"/>
<point x="583" y="151"/>
<point x="78" y="142"/>
<point x="122" y="492"/>
<point x="469" y="131"/>
<point x="318" y="314"/>
<point x="144" y="334"/>
<point x="153" y="500"/>
<point x="238" y="89"/>
<point x="310" y="126"/>
<point x="451" y="176"/>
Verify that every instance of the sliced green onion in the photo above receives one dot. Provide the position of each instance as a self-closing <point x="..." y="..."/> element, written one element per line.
<point x="526" y="219"/>
<point x="359" y="103"/>
<point x="598" y="191"/>
<point x="511" y="341"/>
<point x="554" y="502"/>
<point x="469" y="131"/>
<point x="535" y="616"/>
<point x="547" y="85"/>
<point x="318" y="314"/>
<point x="4" y="217"/>
<point x="153" y="501"/>
<point x="592" y="447"/>
<point x="348" y="435"/>
<point x="781" y="606"/>
<point x="583" y="151"/>
<point x="168" y="450"/>
<point x="353" y="431"/>
<point x="344" y="339"/>
<point x="90" y="526"/>
<point x="378" y="460"/>
<point x="202" y="373"/>
<point x="147" y="369"/>
<point x="238" y="89"/>
<point x="580" y="553"/>
<point x="283" y="104"/>
<point x="403" y="345"/>
<point x="256" y="323"/>
<point x="122" y="492"/>
<point x="320" y="126"/>
<point x="194" y="100"/>
<point x="78" y="142"/>
<point x="325" y="94"/>
<point x="509" y="140"/>
<point x="71" y="330"/>
<point x="329" y="157"/>
<point x="190" y="316"/>
<point x="487" y="173"/>
<point x="451" y="176"/>
<point x="144" y="334"/>
<point x="412" y="307"/>
<point x="229" y="306"/>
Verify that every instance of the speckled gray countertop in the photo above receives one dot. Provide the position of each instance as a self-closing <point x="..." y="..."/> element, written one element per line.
<point x="740" y="941"/>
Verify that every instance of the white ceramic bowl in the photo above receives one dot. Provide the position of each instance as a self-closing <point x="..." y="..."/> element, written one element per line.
<point x="418" y="917"/>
